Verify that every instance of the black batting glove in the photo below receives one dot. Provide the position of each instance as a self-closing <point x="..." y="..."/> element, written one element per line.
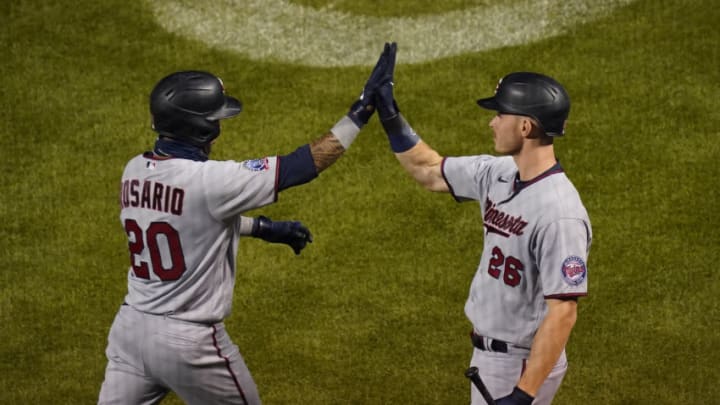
<point x="291" y="233"/>
<point x="400" y="134"/>
<point x="517" y="397"/>
<point x="384" y="98"/>
<point x="362" y="109"/>
<point x="386" y="105"/>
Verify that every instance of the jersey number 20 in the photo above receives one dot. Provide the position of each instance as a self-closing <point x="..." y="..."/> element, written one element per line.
<point x="510" y="267"/>
<point x="139" y="240"/>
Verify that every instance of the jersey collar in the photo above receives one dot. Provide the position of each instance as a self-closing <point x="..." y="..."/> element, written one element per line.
<point x="518" y="184"/>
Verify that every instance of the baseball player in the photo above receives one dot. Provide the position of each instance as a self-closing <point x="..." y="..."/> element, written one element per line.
<point x="523" y="299"/>
<point x="182" y="215"/>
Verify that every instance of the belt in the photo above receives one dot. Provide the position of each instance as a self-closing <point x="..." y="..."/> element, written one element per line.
<point x="487" y="344"/>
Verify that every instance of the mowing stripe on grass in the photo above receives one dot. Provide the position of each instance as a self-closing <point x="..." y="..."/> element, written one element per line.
<point x="282" y="31"/>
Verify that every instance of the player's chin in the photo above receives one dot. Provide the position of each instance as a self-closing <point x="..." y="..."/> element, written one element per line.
<point x="501" y="149"/>
<point x="499" y="146"/>
<point x="506" y="149"/>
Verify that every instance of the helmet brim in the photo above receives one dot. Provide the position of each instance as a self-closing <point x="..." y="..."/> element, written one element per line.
<point x="231" y="108"/>
<point x="489" y="103"/>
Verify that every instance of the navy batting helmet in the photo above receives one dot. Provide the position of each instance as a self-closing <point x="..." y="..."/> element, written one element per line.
<point x="189" y="105"/>
<point x="533" y="95"/>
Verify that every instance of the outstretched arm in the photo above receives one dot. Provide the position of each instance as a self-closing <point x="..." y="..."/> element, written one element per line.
<point x="420" y="160"/>
<point x="326" y="150"/>
<point x="308" y="161"/>
<point x="425" y="165"/>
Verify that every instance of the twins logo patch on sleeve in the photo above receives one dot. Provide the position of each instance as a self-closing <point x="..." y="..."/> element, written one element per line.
<point x="257" y="165"/>
<point x="574" y="270"/>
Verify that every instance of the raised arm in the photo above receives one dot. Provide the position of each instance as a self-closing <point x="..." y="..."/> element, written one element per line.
<point x="420" y="160"/>
<point x="308" y="161"/>
<point x="425" y="165"/>
<point x="326" y="150"/>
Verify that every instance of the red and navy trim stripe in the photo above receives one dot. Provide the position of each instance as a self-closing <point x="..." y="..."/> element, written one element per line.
<point x="227" y="365"/>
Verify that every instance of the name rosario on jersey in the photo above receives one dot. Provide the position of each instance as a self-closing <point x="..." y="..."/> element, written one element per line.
<point x="152" y="195"/>
<point x="500" y="222"/>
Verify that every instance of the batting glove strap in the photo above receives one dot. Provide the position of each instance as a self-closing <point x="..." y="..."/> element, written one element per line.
<point x="400" y="134"/>
<point x="516" y="397"/>
<point x="360" y="112"/>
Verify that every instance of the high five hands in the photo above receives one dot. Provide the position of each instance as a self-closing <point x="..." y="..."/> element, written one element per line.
<point x="378" y="90"/>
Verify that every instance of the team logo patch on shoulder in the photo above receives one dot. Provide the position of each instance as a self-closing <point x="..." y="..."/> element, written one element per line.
<point x="574" y="270"/>
<point x="257" y="165"/>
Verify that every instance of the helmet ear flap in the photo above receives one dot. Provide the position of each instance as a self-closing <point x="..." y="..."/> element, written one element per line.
<point x="204" y="130"/>
<point x="195" y="130"/>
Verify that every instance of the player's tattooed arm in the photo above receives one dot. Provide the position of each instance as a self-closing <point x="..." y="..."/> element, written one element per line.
<point x="325" y="151"/>
<point x="307" y="161"/>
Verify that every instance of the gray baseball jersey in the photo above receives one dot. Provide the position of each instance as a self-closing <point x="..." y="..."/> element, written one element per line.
<point x="182" y="221"/>
<point x="536" y="242"/>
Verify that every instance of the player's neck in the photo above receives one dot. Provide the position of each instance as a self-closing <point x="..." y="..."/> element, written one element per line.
<point x="534" y="161"/>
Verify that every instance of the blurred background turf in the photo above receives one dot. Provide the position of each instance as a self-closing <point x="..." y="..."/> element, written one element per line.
<point x="372" y="311"/>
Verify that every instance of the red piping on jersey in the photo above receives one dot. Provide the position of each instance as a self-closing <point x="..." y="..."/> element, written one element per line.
<point x="227" y="364"/>
<point x="150" y="155"/>
<point x="570" y="295"/>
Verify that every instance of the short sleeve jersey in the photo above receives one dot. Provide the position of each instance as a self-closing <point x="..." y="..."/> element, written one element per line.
<point x="537" y="238"/>
<point x="182" y="219"/>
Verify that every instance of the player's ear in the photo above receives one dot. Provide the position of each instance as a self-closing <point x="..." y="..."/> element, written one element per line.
<point x="530" y="128"/>
<point x="525" y="125"/>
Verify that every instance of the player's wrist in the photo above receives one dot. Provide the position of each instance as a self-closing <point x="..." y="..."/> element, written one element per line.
<point x="247" y="226"/>
<point x="346" y="130"/>
<point x="263" y="228"/>
<point x="400" y="134"/>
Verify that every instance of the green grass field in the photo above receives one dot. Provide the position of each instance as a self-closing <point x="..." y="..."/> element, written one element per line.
<point x="372" y="311"/>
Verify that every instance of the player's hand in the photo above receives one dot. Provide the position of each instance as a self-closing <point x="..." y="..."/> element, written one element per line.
<point x="291" y="233"/>
<point x="364" y="107"/>
<point x="385" y="100"/>
<point x="517" y="397"/>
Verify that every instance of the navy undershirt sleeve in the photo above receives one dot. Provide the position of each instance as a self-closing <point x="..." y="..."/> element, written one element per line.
<point x="296" y="168"/>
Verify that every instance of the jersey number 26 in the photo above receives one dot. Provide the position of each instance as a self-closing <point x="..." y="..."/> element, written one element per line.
<point x="510" y="267"/>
